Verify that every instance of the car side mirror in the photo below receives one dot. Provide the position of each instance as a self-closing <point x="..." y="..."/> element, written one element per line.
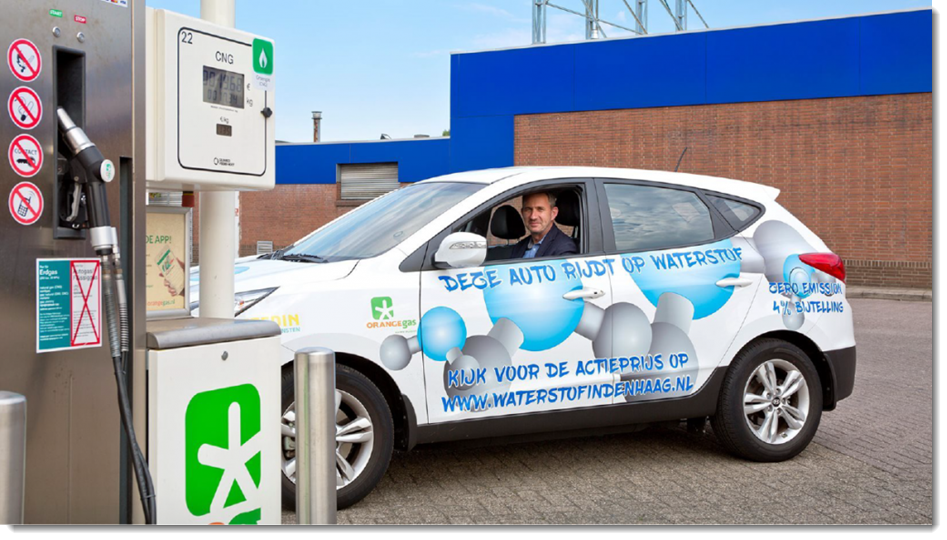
<point x="461" y="250"/>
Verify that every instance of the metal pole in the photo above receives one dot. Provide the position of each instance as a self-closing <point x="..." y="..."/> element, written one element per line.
<point x="641" y="14"/>
<point x="539" y="21"/>
<point x="217" y="216"/>
<point x="680" y="14"/>
<point x="12" y="457"/>
<point x="315" y="436"/>
<point x="592" y="28"/>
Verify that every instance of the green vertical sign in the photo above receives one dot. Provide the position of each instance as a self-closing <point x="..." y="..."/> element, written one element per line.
<point x="262" y="56"/>
<point x="222" y="445"/>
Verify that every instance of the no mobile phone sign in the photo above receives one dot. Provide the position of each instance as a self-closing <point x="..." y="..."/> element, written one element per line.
<point x="26" y="203"/>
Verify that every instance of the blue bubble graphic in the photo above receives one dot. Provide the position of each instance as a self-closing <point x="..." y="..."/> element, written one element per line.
<point x="799" y="275"/>
<point x="441" y="330"/>
<point x="535" y="303"/>
<point x="697" y="283"/>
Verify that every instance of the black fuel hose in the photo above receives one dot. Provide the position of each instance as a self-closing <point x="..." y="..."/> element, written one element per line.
<point x="146" y="489"/>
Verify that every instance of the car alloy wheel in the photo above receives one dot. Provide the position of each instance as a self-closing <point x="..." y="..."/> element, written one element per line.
<point x="776" y="401"/>
<point x="354" y="439"/>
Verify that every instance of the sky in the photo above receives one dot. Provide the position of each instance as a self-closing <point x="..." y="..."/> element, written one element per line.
<point x="383" y="66"/>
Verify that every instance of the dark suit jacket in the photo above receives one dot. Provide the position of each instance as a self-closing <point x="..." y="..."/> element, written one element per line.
<point x="555" y="243"/>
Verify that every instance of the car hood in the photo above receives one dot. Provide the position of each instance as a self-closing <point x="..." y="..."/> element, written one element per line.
<point x="252" y="274"/>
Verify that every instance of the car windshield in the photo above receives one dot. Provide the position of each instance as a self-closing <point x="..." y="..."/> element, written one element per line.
<point x="378" y="226"/>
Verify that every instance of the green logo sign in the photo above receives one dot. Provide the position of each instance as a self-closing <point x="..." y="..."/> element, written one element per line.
<point x="383" y="309"/>
<point x="263" y="56"/>
<point x="222" y="445"/>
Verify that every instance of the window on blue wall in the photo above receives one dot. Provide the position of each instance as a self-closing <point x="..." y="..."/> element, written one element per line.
<point x="365" y="181"/>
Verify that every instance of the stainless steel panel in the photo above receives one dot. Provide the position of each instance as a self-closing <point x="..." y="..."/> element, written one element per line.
<point x="73" y="439"/>
<point x="12" y="456"/>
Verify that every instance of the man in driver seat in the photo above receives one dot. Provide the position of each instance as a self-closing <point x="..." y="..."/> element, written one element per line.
<point x="545" y="239"/>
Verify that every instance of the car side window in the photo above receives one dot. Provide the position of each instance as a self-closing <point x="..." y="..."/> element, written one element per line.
<point x="503" y="226"/>
<point x="648" y="217"/>
<point x="738" y="214"/>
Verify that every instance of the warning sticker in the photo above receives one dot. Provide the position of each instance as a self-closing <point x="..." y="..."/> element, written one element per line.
<point x="26" y="155"/>
<point x="26" y="203"/>
<point x="68" y="301"/>
<point x="24" y="60"/>
<point x="25" y="108"/>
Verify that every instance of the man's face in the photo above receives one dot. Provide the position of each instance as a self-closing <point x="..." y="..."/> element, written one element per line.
<point x="537" y="214"/>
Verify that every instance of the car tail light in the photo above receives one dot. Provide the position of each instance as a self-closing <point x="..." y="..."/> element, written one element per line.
<point x="829" y="263"/>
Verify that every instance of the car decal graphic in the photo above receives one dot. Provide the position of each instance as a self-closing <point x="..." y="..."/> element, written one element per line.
<point x="530" y="311"/>
<point x="792" y="281"/>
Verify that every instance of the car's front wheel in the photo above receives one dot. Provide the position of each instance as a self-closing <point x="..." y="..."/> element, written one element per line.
<point x="770" y="404"/>
<point x="364" y="437"/>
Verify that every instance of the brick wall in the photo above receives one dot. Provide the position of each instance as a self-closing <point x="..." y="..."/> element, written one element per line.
<point x="288" y="212"/>
<point x="283" y="215"/>
<point x="857" y="171"/>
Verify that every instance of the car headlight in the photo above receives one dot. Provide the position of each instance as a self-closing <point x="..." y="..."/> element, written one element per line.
<point x="243" y="301"/>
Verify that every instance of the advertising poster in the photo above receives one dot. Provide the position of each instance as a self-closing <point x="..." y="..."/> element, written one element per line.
<point x="167" y="261"/>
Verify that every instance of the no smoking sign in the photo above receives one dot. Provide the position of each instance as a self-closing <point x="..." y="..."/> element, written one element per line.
<point x="26" y="203"/>
<point x="24" y="60"/>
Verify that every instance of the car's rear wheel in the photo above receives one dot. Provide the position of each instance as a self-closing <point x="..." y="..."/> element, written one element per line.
<point x="364" y="437"/>
<point x="770" y="404"/>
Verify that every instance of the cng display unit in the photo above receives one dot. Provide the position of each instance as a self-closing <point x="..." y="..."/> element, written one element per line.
<point x="210" y="106"/>
<point x="213" y="384"/>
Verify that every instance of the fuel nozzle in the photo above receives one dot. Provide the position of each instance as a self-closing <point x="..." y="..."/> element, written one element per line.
<point x="98" y="171"/>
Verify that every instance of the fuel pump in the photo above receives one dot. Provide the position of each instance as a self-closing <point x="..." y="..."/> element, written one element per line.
<point x="85" y="178"/>
<point x="98" y="110"/>
<point x="73" y="316"/>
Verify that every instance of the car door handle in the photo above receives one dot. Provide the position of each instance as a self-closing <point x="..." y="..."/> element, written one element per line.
<point x="588" y="294"/>
<point x="735" y="282"/>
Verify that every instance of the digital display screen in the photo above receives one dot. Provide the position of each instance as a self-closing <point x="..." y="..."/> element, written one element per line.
<point x="223" y="88"/>
<point x="225" y="130"/>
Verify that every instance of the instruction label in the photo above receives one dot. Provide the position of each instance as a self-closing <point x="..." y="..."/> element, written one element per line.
<point x="68" y="302"/>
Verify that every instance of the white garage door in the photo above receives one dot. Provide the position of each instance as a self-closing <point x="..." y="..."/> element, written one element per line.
<point x="368" y="180"/>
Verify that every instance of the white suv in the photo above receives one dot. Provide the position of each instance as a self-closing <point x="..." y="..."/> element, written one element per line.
<point x="688" y="297"/>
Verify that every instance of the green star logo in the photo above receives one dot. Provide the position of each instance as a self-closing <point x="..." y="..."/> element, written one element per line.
<point x="383" y="309"/>
<point x="222" y="445"/>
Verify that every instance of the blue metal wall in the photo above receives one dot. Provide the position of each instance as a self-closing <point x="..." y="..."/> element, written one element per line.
<point x="856" y="56"/>
<point x="417" y="159"/>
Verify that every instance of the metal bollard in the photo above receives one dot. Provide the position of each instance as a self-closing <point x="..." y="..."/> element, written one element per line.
<point x="315" y="437"/>
<point x="12" y="457"/>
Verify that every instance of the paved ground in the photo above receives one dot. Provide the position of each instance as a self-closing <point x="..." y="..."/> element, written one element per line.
<point x="871" y="461"/>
